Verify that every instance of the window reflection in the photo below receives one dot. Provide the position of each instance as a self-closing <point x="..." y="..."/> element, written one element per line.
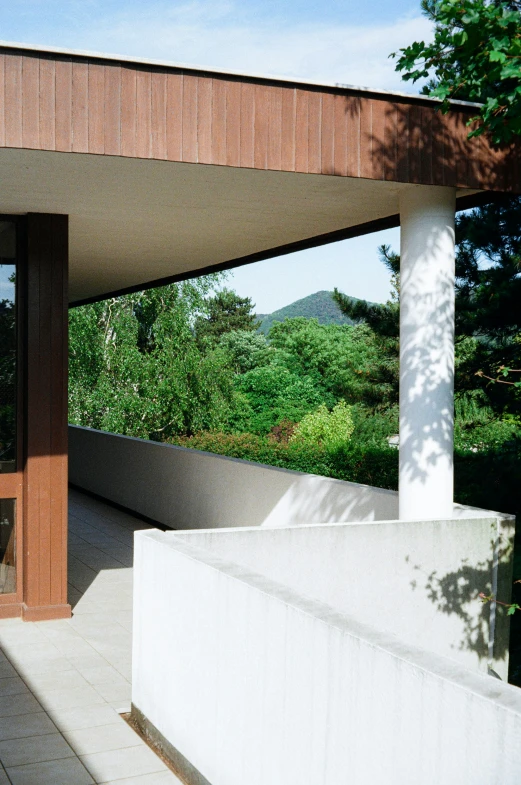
<point x="7" y="546"/>
<point x="8" y="343"/>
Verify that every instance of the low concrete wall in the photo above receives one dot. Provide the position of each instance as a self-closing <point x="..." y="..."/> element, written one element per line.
<point x="252" y="682"/>
<point x="190" y="489"/>
<point x="417" y="580"/>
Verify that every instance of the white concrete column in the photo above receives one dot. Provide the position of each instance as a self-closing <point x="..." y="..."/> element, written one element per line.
<point x="426" y="352"/>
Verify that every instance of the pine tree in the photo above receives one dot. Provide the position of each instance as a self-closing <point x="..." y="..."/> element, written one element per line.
<point x="384" y="321"/>
<point x="225" y="312"/>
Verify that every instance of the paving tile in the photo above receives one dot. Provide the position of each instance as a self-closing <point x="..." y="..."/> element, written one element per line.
<point x="4" y="780"/>
<point x="45" y="682"/>
<point x="6" y="670"/>
<point x="26" y="725"/>
<point x="114" y="646"/>
<point x="11" y="705"/>
<point x="36" y="665"/>
<point x="66" y="771"/>
<point x="92" y="624"/>
<point x="74" y="647"/>
<point x="121" y="707"/>
<point x="115" y="692"/>
<point x="69" y="698"/>
<point x="97" y="559"/>
<point x="124" y="576"/>
<point x="84" y="662"/>
<point x="58" y="633"/>
<point x="157" y="778"/>
<point x="89" y="604"/>
<point x="103" y="738"/>
<point x="34" y="749"/>
<point x="18" y="652"/>
<point x="79" y="669"/>
<point x="23" y="632"/>
<point x="103" y="675"/>
<point x="84" y="717"/>
<point x="123" y="665"/>
<point x="128" y="762"/>
<point x="12" y="685"/>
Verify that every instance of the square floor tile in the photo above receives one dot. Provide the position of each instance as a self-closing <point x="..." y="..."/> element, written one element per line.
<point x="128" y="762"/>
<point x="34" y="749"/>
<point x="7" y="670"/>
<point x="115" y="692"/>
<point x="12" y="685"/>
<point x="45" y="682"/>
<point x="158" y="778"/>
<point x="70" y="698"/>
<point x="103" y="738"/>
<point x="84" y="717"/>
<point x="26" y="725"/>
<point x="18" y="704"/>
<point x="104" y="674"/>
<point x="35" y="665"/>
<point x="66" y="771"/>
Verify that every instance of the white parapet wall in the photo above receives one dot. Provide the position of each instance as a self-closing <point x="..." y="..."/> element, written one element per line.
<point x="246" y="679"/>
<point x="191" y="489"/>
<point x="187" y="489"/>
<point x="419" y="580"/>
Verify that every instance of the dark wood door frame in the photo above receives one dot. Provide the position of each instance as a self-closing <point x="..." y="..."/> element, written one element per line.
<point x="39" y="484"/>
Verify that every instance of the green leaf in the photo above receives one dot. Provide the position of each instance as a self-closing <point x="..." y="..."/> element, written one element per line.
<point x="496" y="56"/>
<point x="470" y="18"/>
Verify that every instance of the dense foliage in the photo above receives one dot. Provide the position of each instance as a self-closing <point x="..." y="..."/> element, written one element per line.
<point x="135" y="367"/>
<point x="329" y="430"/>
<point x="476" y="56"/>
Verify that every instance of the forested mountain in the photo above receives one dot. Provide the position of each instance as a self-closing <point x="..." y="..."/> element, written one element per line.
<point x="320" y="306"/>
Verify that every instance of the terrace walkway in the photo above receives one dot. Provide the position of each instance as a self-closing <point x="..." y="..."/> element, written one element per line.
<point x="63" y="684"/>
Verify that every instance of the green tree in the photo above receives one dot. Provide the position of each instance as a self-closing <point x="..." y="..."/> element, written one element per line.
<point x="476" y="56"/>
<point x="136" y="369"/>
<point x="488" y="293"/>
<point x="382" y="373"/>
<point x="273" y="393"/>
<point x="245" y="349"/>
<point x="336" y="357"/>
<point x="225" y="311"/>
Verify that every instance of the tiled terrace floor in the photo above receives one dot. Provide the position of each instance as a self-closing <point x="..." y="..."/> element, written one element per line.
<point x="64" y="683"/>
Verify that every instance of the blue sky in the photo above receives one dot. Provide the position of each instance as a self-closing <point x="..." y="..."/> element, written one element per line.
<point x="6" y="286"/>
<point x="339" y="42"/>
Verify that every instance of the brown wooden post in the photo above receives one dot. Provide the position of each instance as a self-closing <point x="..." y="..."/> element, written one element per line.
<point x="45" y="471"/>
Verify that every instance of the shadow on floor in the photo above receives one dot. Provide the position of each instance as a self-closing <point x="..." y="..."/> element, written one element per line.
<point x="64" y="684"/>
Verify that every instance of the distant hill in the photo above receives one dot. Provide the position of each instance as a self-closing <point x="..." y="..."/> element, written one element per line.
<point x="319" y="306"/>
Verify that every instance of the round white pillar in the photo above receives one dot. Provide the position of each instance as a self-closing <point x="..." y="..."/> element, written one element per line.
<point x="427" y="293"/>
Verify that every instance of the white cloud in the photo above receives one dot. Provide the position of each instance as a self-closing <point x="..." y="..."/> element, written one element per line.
<point x="210" y="34"/>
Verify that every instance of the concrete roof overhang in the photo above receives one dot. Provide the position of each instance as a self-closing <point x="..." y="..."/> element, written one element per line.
<point x="169" y="172"/>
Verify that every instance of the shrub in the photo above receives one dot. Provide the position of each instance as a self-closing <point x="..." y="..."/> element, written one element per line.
<point x="328" y="429"/>
<point x="370" y="466"/>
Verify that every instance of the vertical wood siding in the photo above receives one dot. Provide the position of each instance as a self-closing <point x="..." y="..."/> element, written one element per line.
<point x="45" y="476"/>
<point x="75" y="104"/>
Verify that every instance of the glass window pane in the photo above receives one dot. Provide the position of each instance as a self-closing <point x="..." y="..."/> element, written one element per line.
<point x="7" y="546"/>
<point x="8" y="345"/>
